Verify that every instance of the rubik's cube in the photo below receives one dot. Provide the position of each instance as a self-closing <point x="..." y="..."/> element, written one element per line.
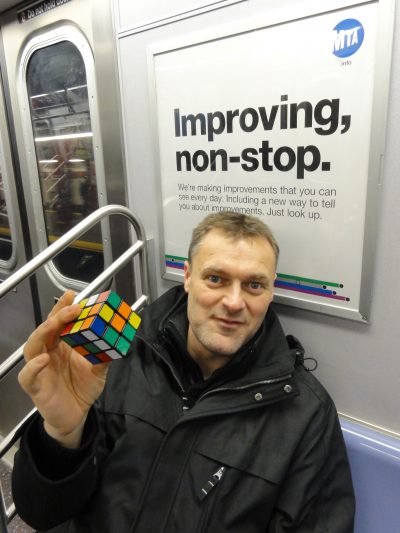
<point x="104" y="330"/>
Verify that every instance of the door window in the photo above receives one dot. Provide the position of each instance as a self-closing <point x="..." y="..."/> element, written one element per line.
<point x="63" y="139"/>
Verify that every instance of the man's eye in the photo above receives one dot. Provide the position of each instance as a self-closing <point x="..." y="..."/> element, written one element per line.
<point x="214" y="279"/>
<point x="255" y="285"/>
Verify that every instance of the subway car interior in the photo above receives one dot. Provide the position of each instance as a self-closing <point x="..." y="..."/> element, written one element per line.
<point x="122" y="124"/>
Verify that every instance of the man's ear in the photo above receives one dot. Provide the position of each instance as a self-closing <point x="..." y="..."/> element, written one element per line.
<point x="186" y="272"/>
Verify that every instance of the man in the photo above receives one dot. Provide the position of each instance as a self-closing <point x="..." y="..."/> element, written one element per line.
<point x="211" y="425"/>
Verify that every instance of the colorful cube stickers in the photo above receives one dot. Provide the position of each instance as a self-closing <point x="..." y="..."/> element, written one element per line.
<point x="104" y="330"/>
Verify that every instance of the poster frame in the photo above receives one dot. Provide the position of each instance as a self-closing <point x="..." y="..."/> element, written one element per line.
<point x="381" y="78"/>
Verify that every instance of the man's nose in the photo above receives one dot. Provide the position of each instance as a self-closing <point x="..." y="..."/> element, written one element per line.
<point x="233" y="299"/>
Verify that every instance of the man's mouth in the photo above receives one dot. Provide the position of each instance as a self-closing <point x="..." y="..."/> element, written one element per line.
<point x="228" y="322"/>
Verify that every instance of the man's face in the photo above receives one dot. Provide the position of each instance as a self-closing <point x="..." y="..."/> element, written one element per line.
<point x="230" y="286"/>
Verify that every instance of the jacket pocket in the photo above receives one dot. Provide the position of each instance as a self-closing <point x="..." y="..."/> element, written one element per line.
<point x="214" y="497"/>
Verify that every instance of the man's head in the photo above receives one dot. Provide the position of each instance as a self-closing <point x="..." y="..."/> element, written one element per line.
<point x="229" y="280"/>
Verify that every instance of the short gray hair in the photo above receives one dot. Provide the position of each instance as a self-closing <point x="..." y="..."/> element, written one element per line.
<point x="234" y="225"/>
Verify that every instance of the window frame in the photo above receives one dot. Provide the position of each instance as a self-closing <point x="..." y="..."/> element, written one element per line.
<point x="7" y="175"/>
<point x="48" y="38"/>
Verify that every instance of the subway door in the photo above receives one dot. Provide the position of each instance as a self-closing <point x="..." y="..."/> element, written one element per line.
<point x="17" y="316"/>
<point x="68" y="137"/>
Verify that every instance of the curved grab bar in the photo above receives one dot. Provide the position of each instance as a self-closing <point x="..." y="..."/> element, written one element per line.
<point x="68" y="237"/>
<point x="139" y="247"/>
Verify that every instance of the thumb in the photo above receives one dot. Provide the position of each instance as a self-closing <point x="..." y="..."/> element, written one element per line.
<point x="101" y="370"/>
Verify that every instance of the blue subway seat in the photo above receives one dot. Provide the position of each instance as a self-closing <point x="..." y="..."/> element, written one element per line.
<point x="375" y="466"/>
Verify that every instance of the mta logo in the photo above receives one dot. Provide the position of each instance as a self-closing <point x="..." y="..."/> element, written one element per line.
<point x="348" y="36"/>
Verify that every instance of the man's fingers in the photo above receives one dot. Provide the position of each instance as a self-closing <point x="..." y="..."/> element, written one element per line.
<point x="28" y="375"/>
<point x="66" y="299"/>
<point x="36" y="342"/>
<point x="46" y="335"/>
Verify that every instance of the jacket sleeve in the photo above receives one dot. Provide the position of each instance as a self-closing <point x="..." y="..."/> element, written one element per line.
<point x="317" y="495"/>
<point x="50" y="483"/>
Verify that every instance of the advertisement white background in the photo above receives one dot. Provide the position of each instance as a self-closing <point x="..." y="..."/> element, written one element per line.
<point x="253" y="70"/>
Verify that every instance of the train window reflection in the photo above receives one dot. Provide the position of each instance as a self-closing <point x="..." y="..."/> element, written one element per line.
<point x="5" y="234"/>
<point x="62" y="131"/>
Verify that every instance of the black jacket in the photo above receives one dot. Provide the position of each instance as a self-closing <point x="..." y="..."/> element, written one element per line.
<point x="256" y="448"/>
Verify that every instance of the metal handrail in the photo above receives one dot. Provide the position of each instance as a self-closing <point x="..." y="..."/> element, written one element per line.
<point x="43" y="257"/>
<point x="72" y="235"/>
<point x="139" y="247"/>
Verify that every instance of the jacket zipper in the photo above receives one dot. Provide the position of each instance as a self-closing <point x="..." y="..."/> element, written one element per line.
<point x="211" y="483"/>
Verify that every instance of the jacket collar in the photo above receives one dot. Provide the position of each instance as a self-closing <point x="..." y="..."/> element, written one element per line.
<point x="267" y="355"/>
